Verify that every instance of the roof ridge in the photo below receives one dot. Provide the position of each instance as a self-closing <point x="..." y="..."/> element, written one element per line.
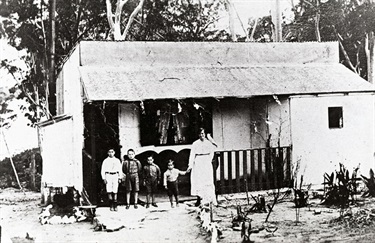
<point x="177" y="66"/>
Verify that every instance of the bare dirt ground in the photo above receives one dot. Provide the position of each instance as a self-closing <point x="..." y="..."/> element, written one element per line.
<point x="19" y="215"/>
<point x="311" y="227"/>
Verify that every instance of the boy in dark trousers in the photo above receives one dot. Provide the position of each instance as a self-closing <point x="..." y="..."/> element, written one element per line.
<point x="171" y="181"/>
<point x="132" y="169"/>
<point x="151" y="176"/>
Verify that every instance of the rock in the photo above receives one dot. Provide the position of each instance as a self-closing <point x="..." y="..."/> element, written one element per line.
<point x="237" y="228"/>
<point x="317" y="211"/>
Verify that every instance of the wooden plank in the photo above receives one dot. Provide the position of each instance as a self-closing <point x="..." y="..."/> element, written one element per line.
<point x="275" y="167"/>
<point x="252" y="171"/>
<point x="238" y="176"/>
<point x="94" y="188"/>
<point x="288" y="164"/>
<point x="214" y="171"/>
<point x="260" y="171"/>
<point x="222" y="179"/>
<point x="267" y="171"/>
<point x="245" y="174"/>
<point x="281" y="167"/>
<point x="230" y="182"/>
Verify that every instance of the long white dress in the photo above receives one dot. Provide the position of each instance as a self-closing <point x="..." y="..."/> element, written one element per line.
<point x="202" y="178"/>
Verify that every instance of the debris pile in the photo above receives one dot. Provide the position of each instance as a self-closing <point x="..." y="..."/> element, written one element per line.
<point x="49" y="216"/>
<point x="241" y="222"/>
<point x="65" y="208"/>
<point x="208" y="224"/>
<point x="356" y="218"/>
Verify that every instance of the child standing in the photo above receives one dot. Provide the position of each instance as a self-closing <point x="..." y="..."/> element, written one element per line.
<point x="111" y="175"/>
<point x="171" y="181"/>
<point x="151" y="176"/>
<point x="131" y="168"/>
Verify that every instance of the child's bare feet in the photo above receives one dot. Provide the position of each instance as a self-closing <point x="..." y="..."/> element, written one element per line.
<point x="172" y="206"/>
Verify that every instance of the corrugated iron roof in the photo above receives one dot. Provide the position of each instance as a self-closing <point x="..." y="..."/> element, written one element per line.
<point x="161" y="54"/>
<point x="134" y="84"/>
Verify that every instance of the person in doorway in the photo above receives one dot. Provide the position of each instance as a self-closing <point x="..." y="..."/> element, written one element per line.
<point x="171" y="182"/>
<point x="132" y="169"/>
<point x="111" y="175"/>
<point x="200" y="166"/>
<point x="151" y="176"/>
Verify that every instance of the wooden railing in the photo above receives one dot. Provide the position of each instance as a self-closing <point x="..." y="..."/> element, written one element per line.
<point x="253" y="169"/>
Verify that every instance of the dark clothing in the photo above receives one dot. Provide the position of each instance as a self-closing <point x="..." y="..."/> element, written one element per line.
<point x="151" y="172"/>
<point x="172" y="188"/>
<point x="151" y="186"/>
<point x="131" y="166"/>
<point x="132" y="182"/>
<point x="132" y="169"/>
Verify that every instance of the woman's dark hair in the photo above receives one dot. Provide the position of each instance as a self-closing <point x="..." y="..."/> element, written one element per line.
<point x="201" y="129"/>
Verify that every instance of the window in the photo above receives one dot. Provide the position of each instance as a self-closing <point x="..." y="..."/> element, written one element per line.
<point x="172" y="122"/>
<point x="335" y="118"/>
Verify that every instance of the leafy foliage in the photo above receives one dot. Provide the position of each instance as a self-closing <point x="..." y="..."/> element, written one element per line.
<point x="370" y="184"/>
<point x="7" y="115"/>
<point x="340" y="186"/>
<point x="345" y="20"/>
<point x="22" y="164"/>
<point x="176" y="20"/>
<point x="26" y="25"/>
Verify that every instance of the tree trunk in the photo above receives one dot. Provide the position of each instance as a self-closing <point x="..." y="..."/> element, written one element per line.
<point x="52" y="52"/>
<point x="317" y="23"/>
<point x="276" y="20"/>
<point x="32" y="173"/>
<point x="11" y="161"/>
<point x="370" y="54"/>
<point x="230" y="10"/>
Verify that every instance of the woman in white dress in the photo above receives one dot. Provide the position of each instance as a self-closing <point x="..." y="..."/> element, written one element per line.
<point x="200" y="165"/>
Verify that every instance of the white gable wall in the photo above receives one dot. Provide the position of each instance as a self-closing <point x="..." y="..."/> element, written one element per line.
<point x="70" y="102"/>
<point x="59" y="168"/>
<point x="319" y="148"/>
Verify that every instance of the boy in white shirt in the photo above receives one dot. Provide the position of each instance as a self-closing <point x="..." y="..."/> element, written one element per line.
<point x="111" y="175"/>
<point x="171" y="181"/>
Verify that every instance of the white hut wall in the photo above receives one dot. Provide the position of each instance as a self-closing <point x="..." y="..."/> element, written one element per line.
<point x="69" y="102"/>
<point x="243" y="124"/>
<point x="129" y="127"/>
<point x="319" y="148"/>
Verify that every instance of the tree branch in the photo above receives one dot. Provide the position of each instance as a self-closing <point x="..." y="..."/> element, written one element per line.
<point x="251" y="38"/>
<point x="110" y="14"/>
<point x="346" y="56"/>
<point x="131" y="18"/>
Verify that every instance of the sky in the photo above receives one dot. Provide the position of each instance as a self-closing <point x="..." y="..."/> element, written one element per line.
<point x="20" y="136"/>
<point x="254" y="9"/>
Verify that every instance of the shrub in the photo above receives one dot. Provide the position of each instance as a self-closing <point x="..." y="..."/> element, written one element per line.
<point x="340" y="186"/>
<point x="370" y="185"/>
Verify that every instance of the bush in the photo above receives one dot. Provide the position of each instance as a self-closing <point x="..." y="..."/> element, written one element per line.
<point x="370" y="185"/>
<point x="341" y="187"/>
<point x="22" y="163"/>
